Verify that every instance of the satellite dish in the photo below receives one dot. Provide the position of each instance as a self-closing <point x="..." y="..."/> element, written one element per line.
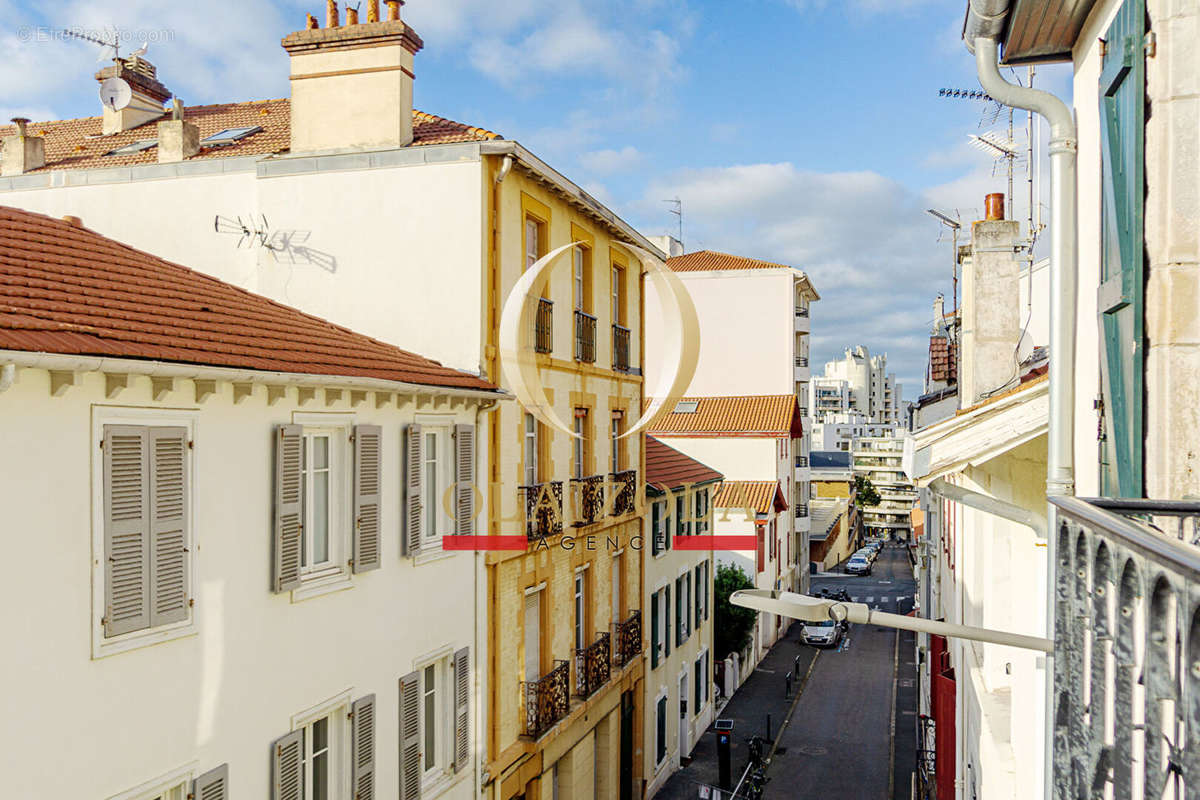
<point x="115" y="93"/>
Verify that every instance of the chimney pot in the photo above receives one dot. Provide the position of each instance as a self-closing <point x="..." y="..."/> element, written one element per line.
<point x="310" y="22"/>
<point x="372" y="10"/>
<point x="994" y="206"/>
<point x="351" y="14"/>
<point x="20" y="122"/>
<point x="331" y="14"/>
<point x="394" y="9"/>
<point x="73" y="221"/>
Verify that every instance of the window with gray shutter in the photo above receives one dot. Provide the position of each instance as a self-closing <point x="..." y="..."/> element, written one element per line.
<point x="412" y="491"/>
<point x="410" y="737"/>
<point x="464" y="479"/>
<point x="212" y="785"/>
<point x="462" y="709"/>
<point x="168" y="525"/>
<point x="289" y="508"/>
<point x="287" y="767"/>
<point x="368" y="441"/>
<point x="126" y="530"/>
<point x="362" y="748"/>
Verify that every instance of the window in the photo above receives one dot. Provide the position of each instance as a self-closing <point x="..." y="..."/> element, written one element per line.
<point x="655" y="630"/>
<point x="230" y="135"/>
<point x="618" y="421"/>
<point x="616" y="587"/>
<point x="679" y="515"/>
<point x="134" y="147"/>
<point x="579" y="444"/>
<point x="686" y="406"/>
<point x="437" y="465"/>
<point x="699" y="571"/>
<point x="700" y="680"/>
<point x="434" y="689"/>
<point x="319" y="549"/>
<point x="531" y="450"/>
<point x="533" y="635"/>
<point x="680" y="612"/>
<point x="660" y="729"/>
<point x="618" y="295"/>
<point x="316" y="759"/>
<point x="580" y="610"/>
<point x="581" y="261"/>
<point x="658" y="530"/>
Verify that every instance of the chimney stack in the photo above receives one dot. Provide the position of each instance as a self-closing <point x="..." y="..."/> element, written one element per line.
<point x="148" y="95"/>
<point x="178" y="139"/>
<point x="352" y="84"/>
<point x="21" y="153"/>
<point x="991" y="320"/>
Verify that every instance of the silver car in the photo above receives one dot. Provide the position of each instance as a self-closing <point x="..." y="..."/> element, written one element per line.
<point x="858" y="565"/>
<point x="826" y="633"/>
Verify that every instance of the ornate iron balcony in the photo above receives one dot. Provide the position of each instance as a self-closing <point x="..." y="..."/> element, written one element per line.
<point x="802" y="509"/>
<point x="585" y="336"/>
<point x="624" y="487"/>
<point x="543" y="326"/>
<point x="627" y="639"/>
<point x="593" y="666"/>
<point x="543" y="509"/>
<point x="546" y="700"/>
<point x="620" y="348"/>
<point x="1126" y="648"/>
<point x="801" y="361"/>
<point x="587" y="495"/>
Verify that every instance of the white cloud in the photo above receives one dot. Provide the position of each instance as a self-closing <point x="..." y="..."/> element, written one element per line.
<point x="606" y="162"/>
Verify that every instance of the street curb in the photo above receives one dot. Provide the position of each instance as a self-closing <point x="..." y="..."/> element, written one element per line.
<point x="799" y="692"/>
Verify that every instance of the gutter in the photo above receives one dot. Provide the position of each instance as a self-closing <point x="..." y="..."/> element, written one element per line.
<point x="162" y="369"/>
<point x="990" y="505"/>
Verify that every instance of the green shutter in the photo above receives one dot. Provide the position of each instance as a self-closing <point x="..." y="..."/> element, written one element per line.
<point x="1120" y="297"/>
<point x="654" y="630"/>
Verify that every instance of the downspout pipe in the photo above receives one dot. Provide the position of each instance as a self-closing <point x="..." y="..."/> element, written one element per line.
<point x="990" y="505"/>
<point x="1060" y="465"/>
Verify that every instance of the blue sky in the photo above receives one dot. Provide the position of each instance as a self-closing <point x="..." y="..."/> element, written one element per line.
<point x="802" y="131"/>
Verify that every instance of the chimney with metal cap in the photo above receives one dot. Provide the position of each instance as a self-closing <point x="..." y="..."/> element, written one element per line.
<point x="991" y="319"/>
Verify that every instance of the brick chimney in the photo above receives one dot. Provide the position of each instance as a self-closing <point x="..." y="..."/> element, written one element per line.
<point x="991" y="319"/>
<point x="178" y="139"/>
<point x="22" y="153"/>
<point x="148" y="94"/>
<point x="352" y="85"/>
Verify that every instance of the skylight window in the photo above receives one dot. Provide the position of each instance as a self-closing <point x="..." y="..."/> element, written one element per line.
<point x="134" y="147"/>
<point x="687" y="406"/>
<point x="230" y="135"/>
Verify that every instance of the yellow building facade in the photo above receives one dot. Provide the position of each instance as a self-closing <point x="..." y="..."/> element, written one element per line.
<point x="563" y="687"/>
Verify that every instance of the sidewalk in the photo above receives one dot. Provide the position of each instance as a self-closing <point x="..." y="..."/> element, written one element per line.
<point x="760" y="695"/>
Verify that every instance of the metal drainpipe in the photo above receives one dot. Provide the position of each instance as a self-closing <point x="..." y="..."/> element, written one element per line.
<point x="1060" y="468"/>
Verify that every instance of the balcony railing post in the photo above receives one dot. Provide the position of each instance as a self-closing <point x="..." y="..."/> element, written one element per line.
<point x="587" y="495"/>
<point x="620" y="348"/>
<point x="546" y="699"/>
<point x="627" y="638"/>
<point x="624" y="486"/>
<point x="543" y="327"/>
<point x="543" y="509"/>
<point x="585" y="336"/>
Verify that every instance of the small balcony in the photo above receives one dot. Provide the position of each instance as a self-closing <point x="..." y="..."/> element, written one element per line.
<point x="1126" y="648"/>
<point x="624" y="489"/>
<point x="593" y="666"/>
<point x="804" y="411"/>
<point x="543" y="503"/>
<point x="543" y="327"/>
<point x="585" y="337"/>
<point x="627" y="639"/>
<point x="801" y="311"/>
<point x="801" y="361"/>
<point x="620" y="348"/>
<point x="587" y="495"/>
<point x="801" y="462"/>
<point x="801" y="510"/>
<point x="546" y="700"/>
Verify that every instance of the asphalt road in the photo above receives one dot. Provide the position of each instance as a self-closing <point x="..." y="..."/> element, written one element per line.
<point x="838" y="742"/>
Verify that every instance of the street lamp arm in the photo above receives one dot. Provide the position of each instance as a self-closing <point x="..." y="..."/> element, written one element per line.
<point x="814" y="609"/>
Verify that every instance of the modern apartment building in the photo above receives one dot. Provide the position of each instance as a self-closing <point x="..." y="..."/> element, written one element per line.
<point x="858" y="382"/>
<point x="346" y="202"/>
<point x="230" y="600"/>
<point x="880" y="459"/>
<point x="677" y="593"/>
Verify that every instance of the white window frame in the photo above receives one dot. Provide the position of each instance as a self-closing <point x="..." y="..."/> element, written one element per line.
<point x="577" y="443"/>
<point x="529" y="444"/>
<point x="337" y="470"/>
<point x="617" y="424"/>
<point x="335" y="576"/>
<point x="178" y="780"/>
<point x="442" y="428"/>
<point x="532" y="245"/>
<point x="154" y="417"/>
<point x="337" y="708"/>
<point x="577" y="283"/>
<point x="442" y="773"/>
<point x="703" y="674"/>
<point x="579" y="607"/>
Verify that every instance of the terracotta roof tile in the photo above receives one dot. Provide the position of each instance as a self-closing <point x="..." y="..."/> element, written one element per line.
<point x="712" y="260"/>
<point x="77" y="143"/>
<point x="66" y="289"/>
<point x="758" y="495"/>
<point x="668" y="468"/>
<point x="774" y="415"/>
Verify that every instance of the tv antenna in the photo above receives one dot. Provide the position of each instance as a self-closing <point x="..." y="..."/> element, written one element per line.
<point x="248" y="231"/>
<point x="955" y="226"/>
<point x="110" y="44"/>
<point x="677" y="210"/>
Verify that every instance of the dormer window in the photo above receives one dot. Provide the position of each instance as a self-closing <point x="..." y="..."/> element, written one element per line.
<point x="230" y="135"/>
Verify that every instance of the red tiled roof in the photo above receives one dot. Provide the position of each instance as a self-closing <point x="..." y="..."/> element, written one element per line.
<point x="77" y="143"/>
<point x="761" y="496"/>
<point x="668" y="468"/>
<point x="66" y="289"/>
<point x="712" y="260"/>
<point x="773" y="415"/>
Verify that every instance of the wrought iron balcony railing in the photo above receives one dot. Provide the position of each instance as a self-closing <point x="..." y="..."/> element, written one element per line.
<point x="801" y="509"/>
<point x="546" y="699"/>
<point x="801" y="461"/>
<point x="1126" y="648"/>
<point x="624" y="489"/>
<point x="585" y="337"/>
<point x="620" y="348"/>
<point x="543" y="326"/>
<point x="593" y="666"/>
<point x="587" y="495"/>
<point x="801" y="361"/>
<point x="543" y="509"/>
<point x="801" y="312"/>
<point x="627" y="639"/>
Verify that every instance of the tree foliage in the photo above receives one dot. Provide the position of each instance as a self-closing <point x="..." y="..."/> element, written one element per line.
<point x="733" y="624"/>
<point x="865" y="492"/>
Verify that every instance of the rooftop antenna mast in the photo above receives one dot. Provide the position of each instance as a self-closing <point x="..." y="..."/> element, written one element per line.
<point x="954" y="225"/>
<point x="112" y="44"/>
<point x="677" y="210"/>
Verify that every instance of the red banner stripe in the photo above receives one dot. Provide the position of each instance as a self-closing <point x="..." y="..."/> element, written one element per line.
<point x="467" y="542"/>
<point x="721" y="542"/>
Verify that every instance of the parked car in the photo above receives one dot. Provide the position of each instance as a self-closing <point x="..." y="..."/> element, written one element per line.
<point x="826" y="633"/>
<point x="858" y="565"/>
<point x="866" y="553"/>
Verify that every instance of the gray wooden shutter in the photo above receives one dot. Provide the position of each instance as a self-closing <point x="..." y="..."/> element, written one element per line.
<point x="212" y="785"/>
<point x="368" y="442"/>
<point x="462" y="708"/>
<point x="289" y="507"/>
<point x="410" y="737"/>
<point x="464" y="479"/>
<point x="362" y="748"/>
<point x="287" y="767"/>
<point x="126" y="530"/>
<point x="168" y="525"/>
<point x="412" y="490"/>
